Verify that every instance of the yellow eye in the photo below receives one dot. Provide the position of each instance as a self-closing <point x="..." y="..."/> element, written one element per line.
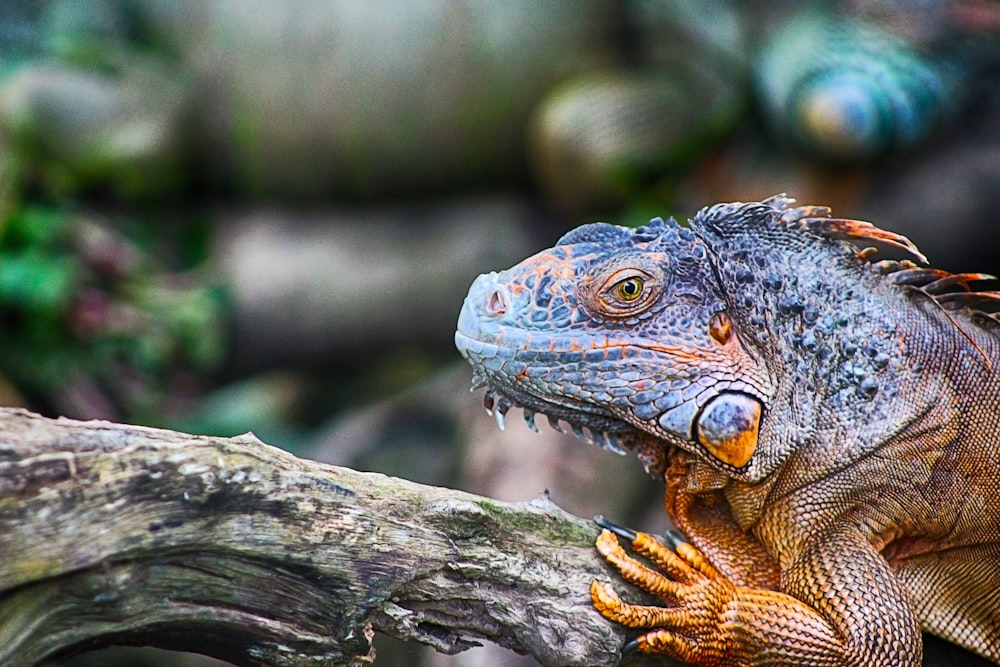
<point x="625" y="291"/>
<point x="629" y="289"/>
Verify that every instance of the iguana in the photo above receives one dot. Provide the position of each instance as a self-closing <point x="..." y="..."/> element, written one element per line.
<point x="828" y="427"/>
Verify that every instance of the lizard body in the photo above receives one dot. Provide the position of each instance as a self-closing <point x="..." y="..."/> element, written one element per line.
<point x="828" y="428"/>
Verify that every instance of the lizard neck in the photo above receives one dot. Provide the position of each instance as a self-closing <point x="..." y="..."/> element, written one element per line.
<point x="940" y="369"/>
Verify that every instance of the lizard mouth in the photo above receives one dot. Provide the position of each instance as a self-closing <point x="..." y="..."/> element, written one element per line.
<point x="599" y="429"/>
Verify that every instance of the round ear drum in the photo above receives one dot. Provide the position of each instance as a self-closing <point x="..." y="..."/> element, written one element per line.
<point x="728" y="427"/>
<point x="720" y="327"/>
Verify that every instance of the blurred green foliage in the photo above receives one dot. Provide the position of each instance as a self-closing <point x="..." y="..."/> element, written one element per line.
<point x="91" y="322"/>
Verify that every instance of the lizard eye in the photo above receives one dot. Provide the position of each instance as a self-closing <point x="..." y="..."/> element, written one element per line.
<point x="630" y="289"/>
<point x="626" y="292"/>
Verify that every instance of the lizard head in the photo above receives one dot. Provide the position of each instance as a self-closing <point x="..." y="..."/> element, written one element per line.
<point x="618" y="330"/>
<point x="686" y="335"/>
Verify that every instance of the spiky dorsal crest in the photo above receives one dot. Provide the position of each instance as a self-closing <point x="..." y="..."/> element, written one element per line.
<point x="816" y="219"/>
<point x="948" y="291"/>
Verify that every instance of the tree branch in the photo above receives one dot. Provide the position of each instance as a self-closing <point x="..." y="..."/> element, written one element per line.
<point x="236" y="549"/>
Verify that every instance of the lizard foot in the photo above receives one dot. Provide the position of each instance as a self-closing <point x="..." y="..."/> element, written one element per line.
<point x="696" y="594"/>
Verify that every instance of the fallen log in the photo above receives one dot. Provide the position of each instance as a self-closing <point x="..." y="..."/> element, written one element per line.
<point x="116" y="534"/>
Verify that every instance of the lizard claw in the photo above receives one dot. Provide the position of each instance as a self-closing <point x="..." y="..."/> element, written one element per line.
<point x="631" y="646"/>
<point x="620" y="531"/>
<point x="672" y="537"/>
<point x="692" y="589"/>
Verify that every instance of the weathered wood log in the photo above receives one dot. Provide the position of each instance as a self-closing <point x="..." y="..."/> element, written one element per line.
<point x="114" y="534"/>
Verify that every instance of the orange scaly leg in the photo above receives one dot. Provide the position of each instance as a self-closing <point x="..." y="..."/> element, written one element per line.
<point x="682" y="571"/>
<point x="708" y="620"/>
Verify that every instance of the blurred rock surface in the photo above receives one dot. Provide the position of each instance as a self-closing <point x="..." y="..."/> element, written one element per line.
<point x="73" y="128"/>
<point x="310" y="286"/>
<point x="604" y="138"/>
<point x="848" y="91"/>
<point x="23" y="36"/>
<point x="311" y="98"/>
<point x="947" y="201"/>
<point x="601" y="139"/>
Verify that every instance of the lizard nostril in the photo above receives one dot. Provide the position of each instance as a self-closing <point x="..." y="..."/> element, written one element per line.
<point x="496" y="303"/>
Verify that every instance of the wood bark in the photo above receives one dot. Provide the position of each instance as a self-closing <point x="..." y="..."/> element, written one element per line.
<point x="115" y="534"/>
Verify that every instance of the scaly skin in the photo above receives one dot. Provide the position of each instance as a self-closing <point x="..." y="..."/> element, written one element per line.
<point x="827" y="427"/>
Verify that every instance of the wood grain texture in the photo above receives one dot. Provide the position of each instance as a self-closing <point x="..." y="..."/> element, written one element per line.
<point x="236" y="549"/>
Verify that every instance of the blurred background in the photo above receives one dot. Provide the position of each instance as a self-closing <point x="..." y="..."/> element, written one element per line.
<point x="224" y="216"/>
